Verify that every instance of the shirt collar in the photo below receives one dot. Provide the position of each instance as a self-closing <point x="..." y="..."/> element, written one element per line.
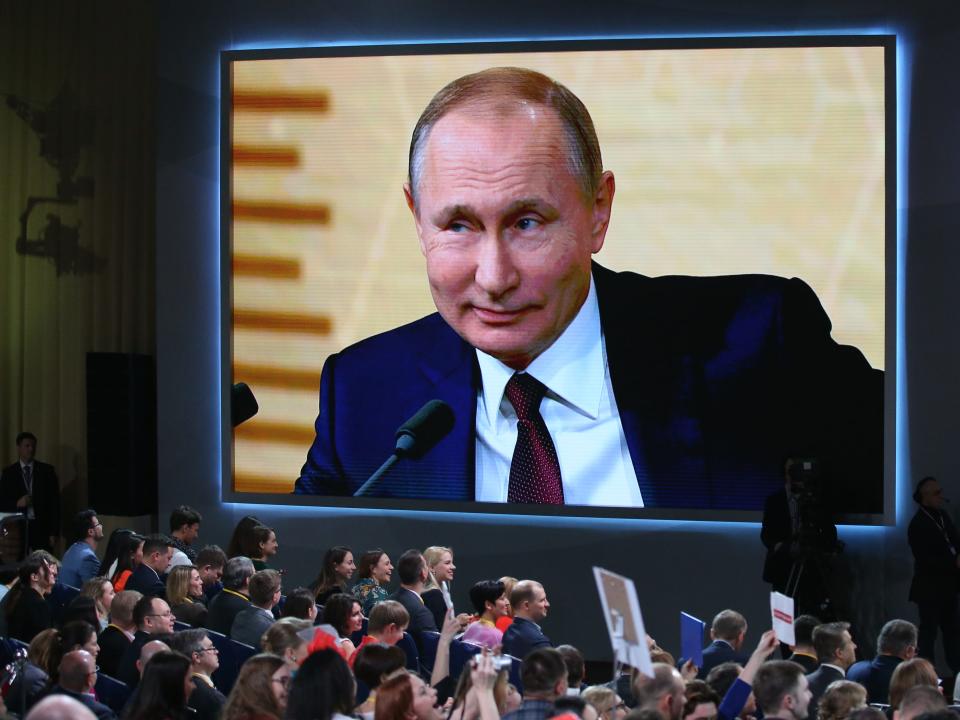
<point x="25" y="464"/>
<point x="572" y="368"/>
<point x="835" y="667"/>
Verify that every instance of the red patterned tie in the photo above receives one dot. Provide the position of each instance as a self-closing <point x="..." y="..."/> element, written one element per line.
<point x="535" y="470"/>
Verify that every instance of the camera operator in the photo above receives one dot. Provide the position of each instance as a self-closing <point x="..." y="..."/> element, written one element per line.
<point x="798" y="532"/>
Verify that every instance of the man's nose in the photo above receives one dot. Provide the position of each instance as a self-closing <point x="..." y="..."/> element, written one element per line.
<point x="496" y="273"/>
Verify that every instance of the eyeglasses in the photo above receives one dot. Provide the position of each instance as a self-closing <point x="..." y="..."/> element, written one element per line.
<point x="284" y="681"/>
<point x="95" y="670"/>
<point x="166" y="614"/>
<point x="209" y="649"/>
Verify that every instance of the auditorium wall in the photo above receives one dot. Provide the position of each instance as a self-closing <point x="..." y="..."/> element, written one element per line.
<point x="700" y="568"/>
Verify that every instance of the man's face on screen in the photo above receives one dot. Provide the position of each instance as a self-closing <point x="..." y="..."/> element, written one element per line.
<point x="505" y="228"/>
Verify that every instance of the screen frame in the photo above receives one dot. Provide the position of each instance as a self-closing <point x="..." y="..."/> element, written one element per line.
<point x="887" y="41"/>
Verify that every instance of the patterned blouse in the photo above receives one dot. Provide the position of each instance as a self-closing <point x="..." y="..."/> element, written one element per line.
<point x="369" y="592"/>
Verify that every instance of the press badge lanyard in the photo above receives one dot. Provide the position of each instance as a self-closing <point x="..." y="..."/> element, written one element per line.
<point x="943" y="529"/>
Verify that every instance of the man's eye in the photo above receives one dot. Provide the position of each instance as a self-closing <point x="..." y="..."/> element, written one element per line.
<point x="458" y="227"/>
<point x="528" y="223"/>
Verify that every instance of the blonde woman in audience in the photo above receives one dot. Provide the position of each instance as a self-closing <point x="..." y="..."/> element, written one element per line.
<point x="840" y="699"/>
<point x="908" y="674"/>
<point x="467" y="700"/>
<point x="260" y="692"/>
<point x="606" y="702"/>
<point x="185" y="595"/>
<point x="507" y="620"/>
<point x="440" y="564"/>
<point x="283" y="639"/>
<point x="101" y="590"/>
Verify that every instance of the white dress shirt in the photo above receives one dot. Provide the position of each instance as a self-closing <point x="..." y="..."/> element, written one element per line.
<point x="580" y="413"/>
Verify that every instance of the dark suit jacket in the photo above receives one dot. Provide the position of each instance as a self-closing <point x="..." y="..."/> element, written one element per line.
<point x="206" y="700"/>
<point x="30" y="616"/>
<point x="703" y="370"/>
<point x="421" y="619"/>
<point x="875" y="676"/>
<point x="819" y="680"/>
<point x="523" y="636"/>
<point x="193" y="613"/>
<point x="934" y="564"/>
<point x="127" y="667"/>
<point x="113" y="644"/>
<point x="97" y="708"/>
<point x="717" y="653"/>
<point x="46" y="499"/>
<point x="807" y="662"/>
<point x="145" y="580"/>
<point x="250" y="624"/>
<point x="223" y="609"/>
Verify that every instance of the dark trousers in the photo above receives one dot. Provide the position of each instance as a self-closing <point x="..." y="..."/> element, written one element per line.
<point x="941" y="613"/>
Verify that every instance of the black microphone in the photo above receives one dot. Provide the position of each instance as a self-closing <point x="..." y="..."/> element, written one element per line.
<point x="415" y="438"/>
<point x="243" y="405"/>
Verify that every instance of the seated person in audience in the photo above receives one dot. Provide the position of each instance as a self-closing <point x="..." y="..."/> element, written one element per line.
<point x="530" y="606"/>
<point x="871" y="713"/>
<point x="185" y="595"/>
<point x="841" y="698"/>
<point x="918" y="701"/>
<point x="210" y="562"/>
<point x="252" y="622"/>
<point x="781" y="690"/>
<point x="149" y="649"/>
<point x="700" y="701"/>
<point x="909" y="674"/>
<point x="117" y="636"/>
<point x="205" y="699"/>
<point x="606" y="702"/>
<point x="343" y="613"/>
<point x="738" y="697"/>
<point x="509" y="583"/>
<point x="441" y="568"/>
<point x="466" y="697"/>
<point x="80" y="561"/>
<point x="234" y="597"/>
<point x="283" y="638"/>
<point x="662" y="693"/>
<point x="78" y="675"/>
<point x="573" y="706"/>
<point x="58" y="707"/>
<point x="147" y="578"/>
<point x="261" y="546"/>
<point x="154" y="621"/>
<point x="129" y="557"/>
<point x="322" y="689"/>
<point x="100" y="589"/>
<point x="491" y="604"/>
<point x="386" y="625"/>
<point x="241" y="534"/>
<point x="372" y="664"/>
<point x="836" y="652"/>
<point x="722" y="678"/>
<point x="43" y="655"/>
<point x="79" y="635"/>
<point x="802" y="651"/>
<point x="163" y="690"/>
<point x="26" y="608"/>
<point x="412" y="569"/>
<point x="374" y="572"/>
<point x="727" y="633"/>
<point x="83" y="608"/>
<point x="405" y="696"/>
<point x="335" y="573"/>
<point x="576" y="668"/>
<point x="544" y="678"/>
<point x="260" y="692"/>
<point x="301" y="604"/>
<point x="184" y="530"/>
<point x="897" y="642"/>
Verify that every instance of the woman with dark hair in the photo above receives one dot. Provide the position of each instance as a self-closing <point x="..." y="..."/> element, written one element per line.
<point x="101" y="590"/>
<point x="163" y="690"/>
<point x="491" y="604"/>
<point x="343" y="613"/>
<point x="322" y="689"/>
<point x="374" y="663"/>
<point x="374" y="572"/>
<point x="131" y="555"/>
<point x="238" y="541"/>
<point x="84" y="608"/>
<point x="337" y="569"/>
<point x="79" y="635"/>
<point x="115" y="545"/>
<point x="260" y="692"/>
<point x="260" y="545"/>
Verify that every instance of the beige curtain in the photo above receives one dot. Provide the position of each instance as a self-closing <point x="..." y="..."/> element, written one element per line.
<point x="83" y="71"/>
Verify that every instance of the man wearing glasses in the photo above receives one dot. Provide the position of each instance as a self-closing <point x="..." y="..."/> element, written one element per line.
<point x="154" y="622"/>
<point x="78" y="675"/>
<point x="80" y="561"/>
<point x="205" y="699"/>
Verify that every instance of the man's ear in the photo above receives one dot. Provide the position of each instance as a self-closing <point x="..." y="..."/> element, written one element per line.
<point x="602" y="207"/>
<point x="412" y="206"/>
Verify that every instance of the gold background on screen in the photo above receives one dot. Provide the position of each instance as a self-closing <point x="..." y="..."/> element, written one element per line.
<point x="727" y="161"/>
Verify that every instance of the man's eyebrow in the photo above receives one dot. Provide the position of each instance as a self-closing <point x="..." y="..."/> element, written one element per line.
<point x="450" y="212"/>
<point x="532" y="203"/>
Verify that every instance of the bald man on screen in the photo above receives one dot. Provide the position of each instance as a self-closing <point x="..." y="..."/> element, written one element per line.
<point x="572" y="384"/>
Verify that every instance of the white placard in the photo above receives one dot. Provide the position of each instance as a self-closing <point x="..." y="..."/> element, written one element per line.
<point x="621" y="610"/>
<point x="781" y="610"/>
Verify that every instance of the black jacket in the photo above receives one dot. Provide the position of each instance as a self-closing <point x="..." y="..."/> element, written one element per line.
<point x="46" y="499"/>
<point x="934" y="555"/>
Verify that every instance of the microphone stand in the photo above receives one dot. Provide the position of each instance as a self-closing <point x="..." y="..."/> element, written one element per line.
<point x="370" y="485"/>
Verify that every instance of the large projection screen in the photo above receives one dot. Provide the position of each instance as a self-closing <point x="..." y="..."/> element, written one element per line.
<point x="771" y="156"/>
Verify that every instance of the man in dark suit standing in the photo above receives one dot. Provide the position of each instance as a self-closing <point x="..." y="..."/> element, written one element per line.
<point x="413" y="572"/>
<point x="148" y="578"/>
<point x="836" y="652"/>
<point x="934" y="542"/>
<point x="727" y="633"/>
<point x="31" y="487"/>
<point x="530" y="606"/>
